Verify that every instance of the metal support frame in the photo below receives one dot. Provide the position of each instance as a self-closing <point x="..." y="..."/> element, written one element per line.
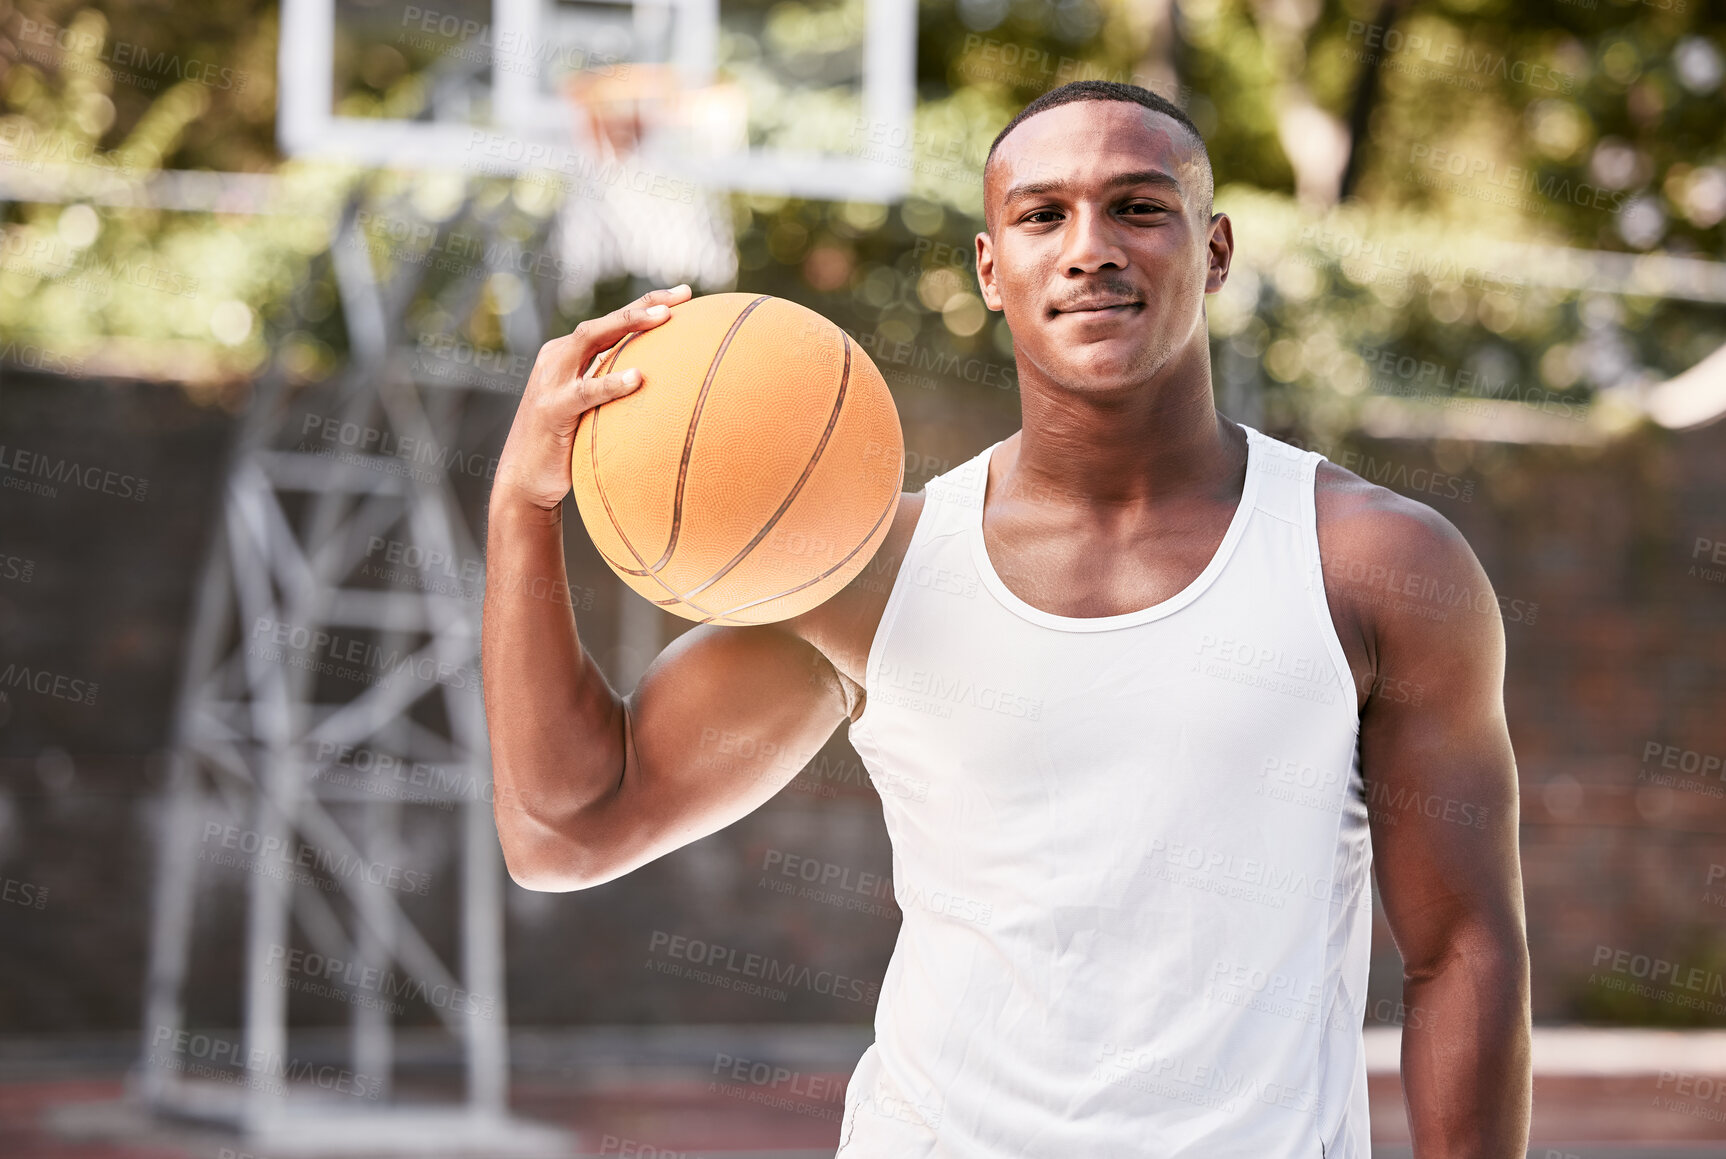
<point x="257" y="722"/>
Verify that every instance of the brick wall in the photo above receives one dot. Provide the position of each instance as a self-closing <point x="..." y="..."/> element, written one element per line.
<point x="1616" y="651"/>
<point x="1624" y="656"/>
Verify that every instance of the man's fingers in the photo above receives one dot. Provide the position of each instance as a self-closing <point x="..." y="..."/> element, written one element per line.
<point x="592" y="392"/>
<point x="564" y="386"/>
<point x="597" y="335"/>
<point x="666" y="297"/>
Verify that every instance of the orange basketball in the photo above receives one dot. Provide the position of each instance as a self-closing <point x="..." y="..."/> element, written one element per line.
<point x="755" y="470"/>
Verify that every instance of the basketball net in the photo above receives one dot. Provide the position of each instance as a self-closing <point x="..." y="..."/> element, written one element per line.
<point x="629" y="215"/>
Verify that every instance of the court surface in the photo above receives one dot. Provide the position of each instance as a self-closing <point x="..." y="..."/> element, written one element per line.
<point x="740" y="1092"/>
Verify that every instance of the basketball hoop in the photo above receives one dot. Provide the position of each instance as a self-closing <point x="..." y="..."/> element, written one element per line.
<point x="640" y="82"/>
<point x="648" y="104"/>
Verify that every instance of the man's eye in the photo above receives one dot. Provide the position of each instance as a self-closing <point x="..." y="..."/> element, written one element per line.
<point x="1043" y="215"/>
<point x="1143" y="207"/>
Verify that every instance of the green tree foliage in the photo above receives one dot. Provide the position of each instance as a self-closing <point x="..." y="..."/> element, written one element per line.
<point x="1471" y="128"/>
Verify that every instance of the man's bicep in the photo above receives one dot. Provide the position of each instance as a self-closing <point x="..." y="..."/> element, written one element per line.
<point x="1443" y="809"/>
<point x="718" y="724"/>
<point x="1438" y="766"/>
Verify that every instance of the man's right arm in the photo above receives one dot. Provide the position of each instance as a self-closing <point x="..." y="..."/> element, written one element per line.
<point x="589" y="785"/>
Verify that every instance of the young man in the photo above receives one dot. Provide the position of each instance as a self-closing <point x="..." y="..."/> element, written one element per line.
<point x="1147" y="734"/>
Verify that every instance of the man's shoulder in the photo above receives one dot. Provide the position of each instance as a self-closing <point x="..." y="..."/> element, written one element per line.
<point x="1377" y="520"/>
<point x="1393" y="560"/>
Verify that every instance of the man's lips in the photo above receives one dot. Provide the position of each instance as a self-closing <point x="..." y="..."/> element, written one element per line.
<point x="1106" y="307"/>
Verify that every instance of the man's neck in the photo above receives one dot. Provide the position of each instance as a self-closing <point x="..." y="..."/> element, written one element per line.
<point x="1126" y="452"/>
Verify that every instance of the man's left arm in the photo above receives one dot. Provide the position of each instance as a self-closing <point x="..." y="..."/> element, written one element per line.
<point x="1442" y="798"/>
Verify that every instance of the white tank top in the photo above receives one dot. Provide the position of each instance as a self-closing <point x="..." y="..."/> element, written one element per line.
<point x="1131" y="852"/>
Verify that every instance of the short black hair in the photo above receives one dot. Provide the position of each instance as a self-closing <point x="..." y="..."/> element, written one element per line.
<point x="1108" y="90"/>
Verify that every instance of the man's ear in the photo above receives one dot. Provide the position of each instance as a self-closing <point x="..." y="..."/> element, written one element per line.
<point x="1221" y="244"/>
<point x="986" y="272"/>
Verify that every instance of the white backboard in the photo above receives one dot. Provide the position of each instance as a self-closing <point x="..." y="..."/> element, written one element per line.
<point x="804" y="87"/>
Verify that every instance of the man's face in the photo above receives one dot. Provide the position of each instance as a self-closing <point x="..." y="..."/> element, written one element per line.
<point x="1099" y="249"/>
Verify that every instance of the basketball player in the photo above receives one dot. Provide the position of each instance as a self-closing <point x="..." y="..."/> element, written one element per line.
<point x="1136" y="683"/>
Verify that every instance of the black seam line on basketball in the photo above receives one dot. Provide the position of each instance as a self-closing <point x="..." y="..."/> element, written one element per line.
<point x="617" y="351"/>
<point x="618" y="567"/>
<point x="592" y="446"/>
<point x="598" y="486"/>
<point x="676" y="599"/>
<point x="815" y="458"/>
<point x="695" y="421"/>
<point x="891" y="500"/>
